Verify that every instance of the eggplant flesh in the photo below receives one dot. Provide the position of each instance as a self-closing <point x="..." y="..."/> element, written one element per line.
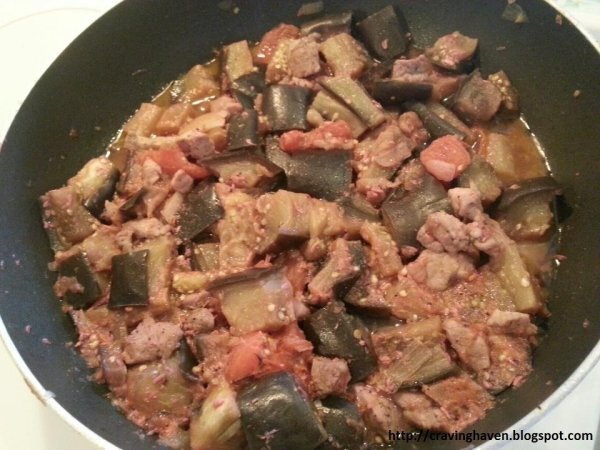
<point x="334" y="333"/>
<point x="200" y="210"/>
<point x="434" y="124"/>
<point x="78" y="267"/>
<point x="275" y="407"/>
<point x="285" y="107"/>
<point x="129" y="283"/>
<point x="384" y="33"/>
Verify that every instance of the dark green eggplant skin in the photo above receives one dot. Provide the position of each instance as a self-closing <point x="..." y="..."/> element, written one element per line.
<point x="187" y="360"/>
<point x="95" y="204"/>
<point x="328" y="24"/>
<point x="524" y="188"/>
<point x="253" y="273"/>
<point x="334" y="333"/>
<point x="343" y="423"/>
<point x="435" y="125"/>
<point x="277" y="415"/>
<point x="405" y="212"/>
<point x="247" y="87"/>
<point x="200" y="210"/>
<point x="128" y="208"/>
<point x="356" y="207"/>
<point x="78" y="267"/>
<point x="326" y="175"/>
<point x="357" y="300"/>
<point x="129" y="282"/>
<point x="359" y="259"/>
<point x="384" y="33"/>
<point x="243" y="131"/>
<point x="394" y="92"/>
<point x="285" y="107"/>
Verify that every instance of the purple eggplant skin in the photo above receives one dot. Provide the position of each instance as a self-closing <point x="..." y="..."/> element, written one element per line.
<point x="247" y="87"/>
<point x="201" y="209"/>
<point x="187" y="361"/>
<point x="243" y="131"/>
<point x="524" y="188"/>
<point x="78" y="267"/>
<point x="285" y="107"/>
<point x="393" y="92"/>
<point x="435" y="125"/>
<point x="328" y="25"/>
<point x="405" y="212"/>
<point x="277" y="402"/>
<point x="384" y="33"/>
<point x="129" y="282"/>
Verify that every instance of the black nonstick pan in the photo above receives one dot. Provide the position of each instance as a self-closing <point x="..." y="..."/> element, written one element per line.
<point x="131" y="52"/>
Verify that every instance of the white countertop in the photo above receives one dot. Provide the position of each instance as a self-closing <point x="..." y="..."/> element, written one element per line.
<point x="43" y="28"/>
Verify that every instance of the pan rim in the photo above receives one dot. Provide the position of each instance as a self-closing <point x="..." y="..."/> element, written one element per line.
<point x="46" y="397"/>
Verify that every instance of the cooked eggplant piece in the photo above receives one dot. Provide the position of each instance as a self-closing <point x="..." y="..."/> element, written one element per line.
<point x="345" y="262"/>
<point x="357" y="210"/>
<point x="189" y="282"/>
<point x="334" y="333"/>
<point x="393" y="92"/>
<point x="237" y="60"/>
<point x="200" y="210"/>
<point x="405" y="212"/>
<point x="285" y="107"/>
<point x="328" y="25"/>
<point x="331" y="109"/>
<point x="477" y="99"/>
<point x="275" y="408"/>
<point x="356" y="98"/>
<point x="247" y="87"/>
<point x="359" y="299"/>
<point x="274" y="153"/>
<point x="525" y="188"/>
<point x="129" y="207"/>
<point x="510" y="96"/>
<point x="448" y="116"/>
<point x="187" y="360"/>
<point x="66" y="221"/>
<point x="205" y="256"/>
<point x="96" y="183"/>
<point x="129" y="283"/>
<point x="343" y="424"/>
<point x="435" y="125"/>
<point x="217" y="426"/>
<point x="321" y="174"/>
<point x="454" y="51"/>
<point x="161" y="257"/>
<point x="248" y="168"/>
<point x="256" y="299"/>
<point x="243" y="131"/>
<point x="78" y="267"/>
<point x="344" y="55"/>
<point x="480" y="175"/>
<point x="515" y="13"/>
<point x="384" y="33"/>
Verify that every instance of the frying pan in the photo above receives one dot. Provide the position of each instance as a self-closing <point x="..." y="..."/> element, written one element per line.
<point x="131" y="52"/>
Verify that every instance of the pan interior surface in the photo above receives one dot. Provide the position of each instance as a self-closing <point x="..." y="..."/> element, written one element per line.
<point x="135" y="49"/>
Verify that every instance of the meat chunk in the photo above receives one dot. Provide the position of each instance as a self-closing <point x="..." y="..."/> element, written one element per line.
<point x="182" y="182"/>
<point x="172" y="159"/>
<point x="452" y="50"/>
<point x="466" y="202"/>
<point x="303" y="57"/>
<point x="446" y="158"/>
<point x="510" y="359"/>
<point x="328" y="136"/>
<point x="512" y="323"/>
<point x="198" y="321"/>
<point x="91" y="337"/>
<point x="193" y="143"/>
<point x="420" y="70"/>
<point x="439" y="271"/>
<point x="412" y="127"/>
<point x="329" y="376"/>
<point x="384" y="257"/>
<point x="151" y="340"/>
<point x="469" y="343"/>
<point x="140" y="229"/>
<point x="477" y="99"/>
<point x="443" y="232"/>
<point x="269" y="42"/>
<point x="421" y="411"/>
<point x="226" y="104"/>
<point x="379" y="413"/>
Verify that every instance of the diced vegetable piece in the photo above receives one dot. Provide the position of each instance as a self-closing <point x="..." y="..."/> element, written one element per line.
<point x="515" y="13"/>
<point x="198" y="84"/>
<point x="510" y="96"/>
<point x="328" y="25"/>
<point x="355" y="97"/>
<point x="321" y="174"/>
<point x="285" y="107"/>
<point x="206" y="256"/>
<point x="243" y="131"/>
<point x="200" y="210"/>
<point x="96" y="183"/>
<point x="384" y="34"/>
<point x="360" y="298"/>
<point x="245" y="169"/>
<point x="187" y="361"/>
<point x="533" y="186"/>
<point x="129" y="283"/>
<point x="271" y="39"/>
<point x="143" y="121"/>
<point x="446" y="158"/>
<point x="237" y="60"/>
<point x="356" y="211"/>
<point x="344" y="55"/>
<point x="477" y="99"/>
<point x="172" y="159"/>
<point x="480" y="176"/>
<point x="331" y="109"/>
<point x="384" y="258"/>
<point x="78" y="267"/>
<point x="393" y="92"/>
<point x="128" y="208"/>
<point x="453" y="51"/>
<point x="435" y="125"/>
<point x="445" y="114"/>
<point x="343" y="424"/>
<point x="247" y="87"/>
<point x="160" y="260"/>
<point x="334" y="333"/>
<point x="217" y="426"/>
<point x="263" y="303"/>
<point x="66" y="220"/>
<point x="516" y="280"/>
<point x="275" y="408"/>
<point x="188" y="282"/>
<point x="172" y="119"/>
<point x="346" y="259"/>
<point x="405" y="212"/>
